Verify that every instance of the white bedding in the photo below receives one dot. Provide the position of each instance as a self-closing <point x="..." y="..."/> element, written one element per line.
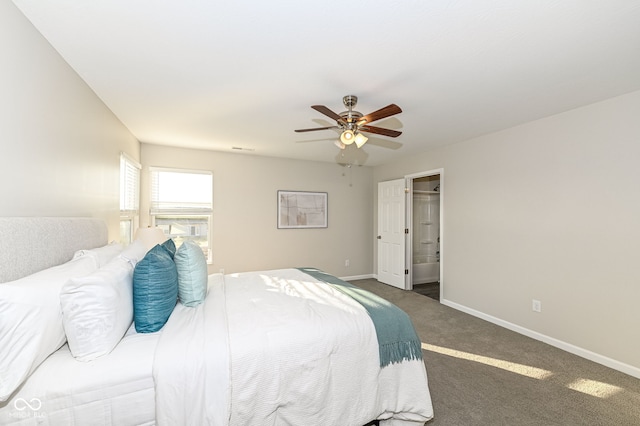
<point x="191" y="367"/>
<point x="265" y="348"/>
<point x="316" y="363"/>
<point x="117" y="389"/>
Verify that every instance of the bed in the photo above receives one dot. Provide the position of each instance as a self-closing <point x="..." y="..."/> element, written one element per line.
<point x="279" y="347"/>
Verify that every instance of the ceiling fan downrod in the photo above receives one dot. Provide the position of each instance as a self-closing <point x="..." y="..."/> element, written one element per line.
<point x="350" y="116"/>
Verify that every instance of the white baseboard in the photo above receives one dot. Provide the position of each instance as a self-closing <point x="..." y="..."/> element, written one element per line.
<point x="581" y="352"/>
<point x="357" y="277"/>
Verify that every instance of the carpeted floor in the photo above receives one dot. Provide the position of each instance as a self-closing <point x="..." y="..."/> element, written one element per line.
<point x="482" y="374"/>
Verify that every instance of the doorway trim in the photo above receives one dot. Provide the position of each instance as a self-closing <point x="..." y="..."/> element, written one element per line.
<point x="409" y="221"/>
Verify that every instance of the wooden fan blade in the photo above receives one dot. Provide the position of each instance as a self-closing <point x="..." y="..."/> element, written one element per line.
<point x="385" y="112"/>
<point x="326" y="111"/>
<point x="380" y="131"/>
<point x="316" y="128"/>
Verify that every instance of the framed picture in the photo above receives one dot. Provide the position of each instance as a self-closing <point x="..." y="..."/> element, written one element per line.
<point x="301" y="209"/>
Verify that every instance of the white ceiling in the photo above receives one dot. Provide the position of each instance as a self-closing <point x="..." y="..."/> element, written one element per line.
<point x="222" y="74"/>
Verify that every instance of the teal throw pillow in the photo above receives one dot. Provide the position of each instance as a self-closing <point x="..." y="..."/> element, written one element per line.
<point x="155" y="290"/>
<point x="170" y="246"/>
<point x="192" y="273"/>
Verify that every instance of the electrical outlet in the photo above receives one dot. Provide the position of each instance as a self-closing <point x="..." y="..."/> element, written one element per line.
<point x="222" y="271"/>
<point x="346" y="262"/>
<point x="536" y="305"/>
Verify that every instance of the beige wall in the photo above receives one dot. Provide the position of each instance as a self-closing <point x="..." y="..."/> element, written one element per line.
<point x="60" y="145"/>
<point x="549" y="210"/>
<point x="245" y="234"/>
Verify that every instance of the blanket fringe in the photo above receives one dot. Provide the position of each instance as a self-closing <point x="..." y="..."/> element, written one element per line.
<point x="396" y="352"/>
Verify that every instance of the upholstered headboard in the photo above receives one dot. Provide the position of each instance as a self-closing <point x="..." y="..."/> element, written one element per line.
<point x="30" y="244"/>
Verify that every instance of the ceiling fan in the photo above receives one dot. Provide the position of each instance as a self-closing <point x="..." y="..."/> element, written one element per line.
<point x="353" y="123"/>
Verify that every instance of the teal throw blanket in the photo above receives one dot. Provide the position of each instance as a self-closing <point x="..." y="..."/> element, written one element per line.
<point x="397" y="339"/>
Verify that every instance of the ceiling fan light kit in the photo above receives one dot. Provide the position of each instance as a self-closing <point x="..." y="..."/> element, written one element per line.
<point x="347" y="137"/>
<point x="353" y="123"/>
<point x="360" y="140"/>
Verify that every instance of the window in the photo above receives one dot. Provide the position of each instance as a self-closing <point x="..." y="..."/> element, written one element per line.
<point x="129" y="197"/>
<point x="182" y="205"/>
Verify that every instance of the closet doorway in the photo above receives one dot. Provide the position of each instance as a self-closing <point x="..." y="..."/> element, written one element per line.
<point x="424" y="245"/>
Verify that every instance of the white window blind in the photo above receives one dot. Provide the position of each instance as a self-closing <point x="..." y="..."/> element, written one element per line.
<point x="129" y="186"/>
<point x="181" y="205"/>
<point x="129" y="197"/>
<point x="181" y="192"/>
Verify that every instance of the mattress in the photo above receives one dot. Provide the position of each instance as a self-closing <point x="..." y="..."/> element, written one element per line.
<point x="113" y="390"/>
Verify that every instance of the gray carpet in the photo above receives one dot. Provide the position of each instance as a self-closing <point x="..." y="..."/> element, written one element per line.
<point x="482" y="374"/>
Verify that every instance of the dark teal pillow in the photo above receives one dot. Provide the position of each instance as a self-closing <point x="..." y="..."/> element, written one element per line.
<point x="170" y="246"/>
<point x="155" y="290"/>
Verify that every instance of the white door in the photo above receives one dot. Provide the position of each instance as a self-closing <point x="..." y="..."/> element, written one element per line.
<point x="391" y="232"/>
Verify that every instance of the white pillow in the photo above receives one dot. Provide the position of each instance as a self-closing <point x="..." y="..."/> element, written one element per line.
<point x="31" y="321"/>
<point x="134" y="252"/>
<point x="103" y="255"/>
<point x="97" y="309"/>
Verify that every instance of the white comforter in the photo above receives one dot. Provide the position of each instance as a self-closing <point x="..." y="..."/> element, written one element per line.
<point x="280" y="348"/>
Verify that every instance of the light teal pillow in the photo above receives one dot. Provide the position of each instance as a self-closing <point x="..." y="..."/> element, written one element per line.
<point x="192" y="273"/>
<point x="155" y="290"/>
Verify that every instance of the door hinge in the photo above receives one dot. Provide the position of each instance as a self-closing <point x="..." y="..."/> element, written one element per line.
<point x="406" y="230"/>
<point x="406" y="272"/>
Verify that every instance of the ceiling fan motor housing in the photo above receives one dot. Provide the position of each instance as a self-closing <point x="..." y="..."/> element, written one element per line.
<point x="350" y="117"/>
